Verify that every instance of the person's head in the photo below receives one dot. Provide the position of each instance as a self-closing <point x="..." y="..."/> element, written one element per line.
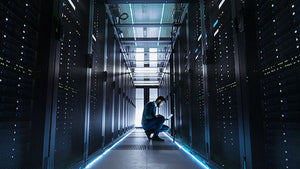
<point x="160" y="101"/>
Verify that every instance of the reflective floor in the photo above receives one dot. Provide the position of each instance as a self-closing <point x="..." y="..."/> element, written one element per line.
<point x="136" y="152"/>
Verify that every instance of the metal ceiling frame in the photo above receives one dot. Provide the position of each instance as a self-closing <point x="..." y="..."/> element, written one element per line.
<point x="147" y="52"/>
<point x="135" y="42"/>
<point x="175" y="37"/>
<point x="139" y="80"/>
<point x="162" y="41"/>
<point x="147" y="25"/>
<point x="144" y="1"/>
<point x="147" y="77"/>
<point x="147" y="61"/>
<point x="158" y="67"/>
<point x="146" y="41"/>
<point x="148" y="46"/>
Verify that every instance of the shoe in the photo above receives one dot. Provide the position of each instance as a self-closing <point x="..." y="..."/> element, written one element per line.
<point x="157" y="139"/>
<point x="148" y="133"/>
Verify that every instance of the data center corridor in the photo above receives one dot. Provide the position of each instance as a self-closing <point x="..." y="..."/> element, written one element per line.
<point x="137" y="152"/>
<point x="75" y="76"/>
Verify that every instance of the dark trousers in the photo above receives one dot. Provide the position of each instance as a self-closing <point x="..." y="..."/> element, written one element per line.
<point x="155" y="125"/>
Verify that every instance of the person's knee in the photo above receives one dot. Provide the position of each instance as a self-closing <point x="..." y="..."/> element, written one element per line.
<point x="165" y="128"/>
<point x="161" y="119"/>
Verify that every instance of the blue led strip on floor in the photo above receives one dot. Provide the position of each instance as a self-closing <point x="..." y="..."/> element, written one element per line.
<point x="187" y="151"/>
<point x="107" y="150"/>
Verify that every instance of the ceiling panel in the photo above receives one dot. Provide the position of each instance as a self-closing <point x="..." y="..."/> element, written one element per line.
<point x="145" y="14"/>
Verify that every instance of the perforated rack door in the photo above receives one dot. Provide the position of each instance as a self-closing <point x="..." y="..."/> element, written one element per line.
<point x="96" y="105"/>
<point x="177" y="71"/>
<point x="183" y="92"/>
<point x="196" y="79"/>
<point x="70" y="121"/>
<point x="123" y="104"/>
<point x="21" y="77"/>
<point x="109" y="87"/>
<point x="164" y="90"/>
<point x="278" y="24"/>
<point x="224" y="129"/>
<point x="116" y="86"/>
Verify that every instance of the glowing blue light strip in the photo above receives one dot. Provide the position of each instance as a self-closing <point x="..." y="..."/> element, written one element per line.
<point x="162" y="14"/>
<point x="107" y="150"/>
<point x="187" y="151"/>
<point x="161" y="19"/>
<point x="132" y="22"/>
<point x="216" y="23"/>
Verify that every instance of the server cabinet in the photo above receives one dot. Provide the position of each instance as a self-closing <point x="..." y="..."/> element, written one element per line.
<point x="97" y="78"/>
<point x="119" y="92"/>
<point x="177" y="113"/>
<point x="164" y="90"/>
<point x="109" y="81"/>
<point x="278" y="57"/>
<point x="133" y="101"/>
<point x="126" y="101"/>
<point x="123" y="96"/>
<point x="222" y="86"/>
<point x="246" y="101"/>
<point x="169" y="94"/>
<point x="116" y="90"/>
<point x="70" y="115"/>
<point x="196" y="79"/>
<point x="25" y="35"/>
<point x="183" y="132"/>
<point x="268" y="82"/>
<point x="52" y="112"/>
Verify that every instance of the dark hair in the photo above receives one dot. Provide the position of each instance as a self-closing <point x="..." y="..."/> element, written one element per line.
<point x="161" y="98"/>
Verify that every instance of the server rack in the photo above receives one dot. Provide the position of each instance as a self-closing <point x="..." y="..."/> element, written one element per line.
<point x="182" y="86"/>
<point x="196" y="80"/>
<point x="109" y="82"/>
<point x="24" y="91"/>
<point x="70" y="114"/>
<point x="245" y="80"/>
<point x="222" y="86"/>
<point x="278" y="57"/>
<point x="177" y="105"/>
<point x="97" y="78"/>
<point x="54" y="74"/>
<point x="165" y="91"/>
<point x="116" y="90"/>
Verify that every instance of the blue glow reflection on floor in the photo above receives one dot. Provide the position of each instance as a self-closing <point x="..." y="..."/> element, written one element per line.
<point x="188" y="152"/>
<point x="107" y="150"/>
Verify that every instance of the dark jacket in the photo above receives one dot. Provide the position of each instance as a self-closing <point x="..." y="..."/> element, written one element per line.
<point x="149" y="112"/>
